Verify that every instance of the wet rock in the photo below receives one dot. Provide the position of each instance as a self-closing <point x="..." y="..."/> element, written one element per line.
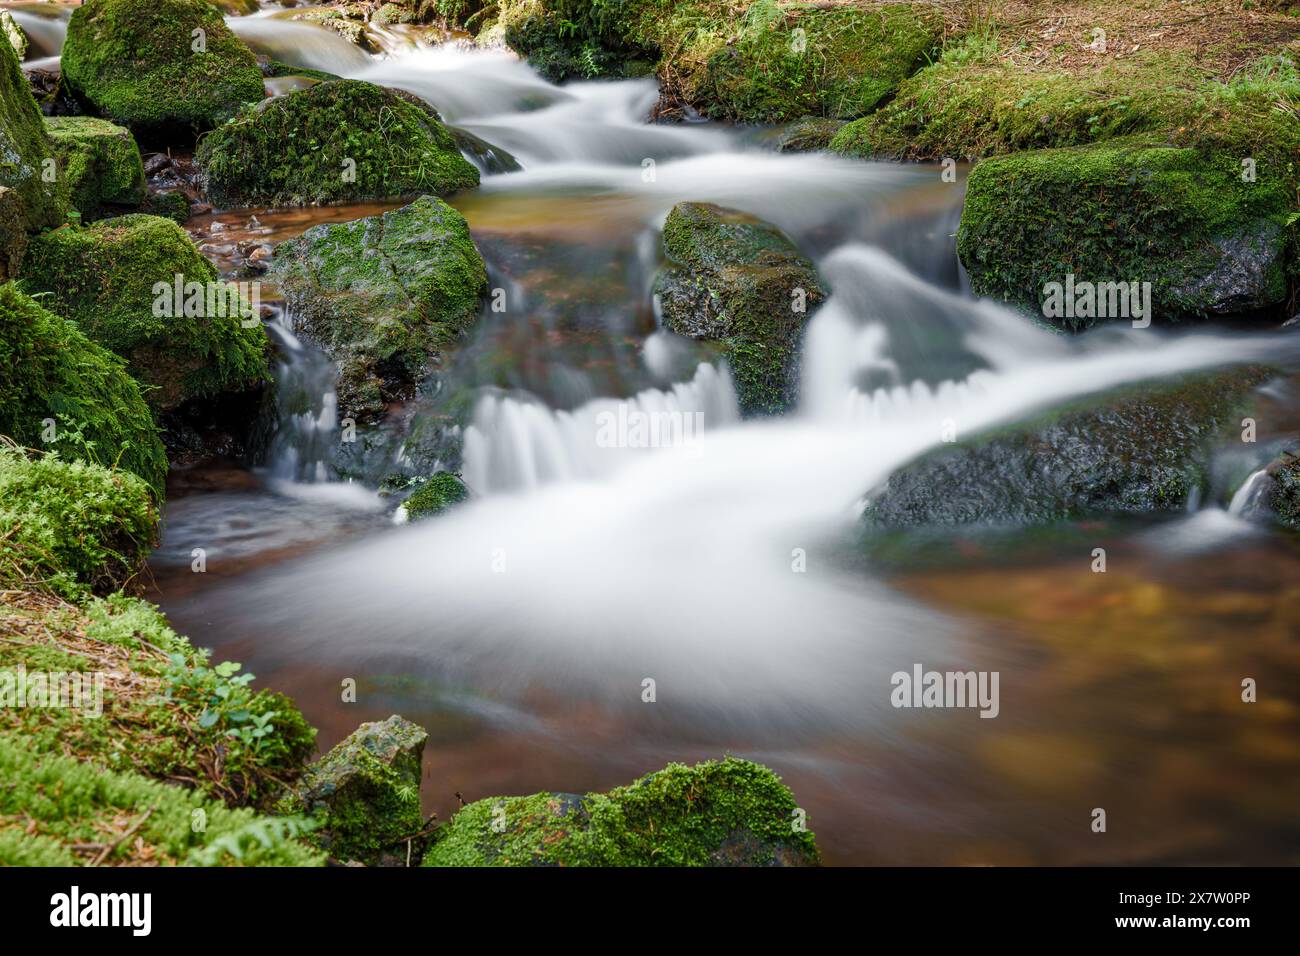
<point x="1128" y="210"/>
<point x="51" y="95"/>
<point x="25" y="147"/>
<point x="13" y="33"/>
<point x="100" y="162"/>
<point x="275" y="155"/>
<point x="806" y="135"/>
<point x="366" y="791"/>
<point x="383" y="296"/>
<point x="106" y="277"/>
<point x="163" y="87"/>
<point x="173" y="205"/>
<point x="1144" y="450"/>
<point x="719" y="813"/>
<point x="1282" y="493"/>
<point x="434" y="496"/>
<point x="738" y="281"/>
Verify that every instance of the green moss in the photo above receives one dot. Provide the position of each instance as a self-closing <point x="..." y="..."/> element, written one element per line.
<point x="134" y="61"/>
<point x="72" y="523"/>
<point x="976" y="102"/>
<point x="719" y="813"/>
<point x="739" y="281"/>
<point x="334" y="142"/>
<point x="164" y="711"/>
<point x="11" y="31"/>
<point x="13" y="233"/>
<point x="170" y="205"/>
<point x="109" y="278"/>
<point x="25" y="147"/>
<point x="55" y="811"/>
<point x="100" y="164"/>
<point x="383" y="295"/>
<point x="435" y="495"/>
<point x="807" y="134"/>
<point x="1284" y="495"/>
<point x="276" y="68"/>
<point x="58" y="379"/>
<point x="1122" y="211"/>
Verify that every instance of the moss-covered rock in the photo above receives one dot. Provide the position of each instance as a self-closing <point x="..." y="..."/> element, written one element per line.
<point x="739" y="281"/>
<point x="719" y="813"/>
<point x="383" y="296"/>
<point x="13" y="233"/>
<point x="334" y="142"/>
<point x="63" y="392"/>
<point x="839" y="62"/>
<point x="173" y="205"/>
<point x="365" y="792"/>
<point x="66" y="807"/>
<point x="101" y="164"/>
<point x="1208" y="241"/>
<point x="435" y="496"/>
<point x="117" y="278"/>
<point x="1146" y="449"/>
<point x="67" y="523"/>
<point x="11" y="31"/>
<point x="806" y="135"/>
<point x="26" y="156"/>
<point x="139" y="63"/>
<point x="1284" y="490"/>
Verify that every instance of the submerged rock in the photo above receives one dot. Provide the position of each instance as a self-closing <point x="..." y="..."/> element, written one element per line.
<point x="101" y="164"/>
<point x="117" y="280"/>
<point x="1143" y="450"/>
<point x="383" y="296"/>
<point x="1208" y="242"/>
<point x="25" y="149"/>
<point x="136" y="62"/>
<point x="366" y="791"/>
<point x="719" y="813"/>
<point x="58" y="382"/>
<point x="739" y="281"/>
<point x="336" y="141"/>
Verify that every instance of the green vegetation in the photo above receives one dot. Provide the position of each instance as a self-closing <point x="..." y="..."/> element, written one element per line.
<point x="333" y="142"/>
<point x="719" y="813"/>
<point x="100" y="164"/>
<point x="1127" y="210"/>
<point x="64" y="393"/>
<point x="25" y="147"/>
<point x="1284" y="495"/>
<point x="107" y="278"/>
<point x="138" y="63"/>
<point x="70" y="523"/>
<point x="738" y="281"/>
<point x="77" y="814"/>
<point x="435" y="496"/>
<point x="384" y="296"/>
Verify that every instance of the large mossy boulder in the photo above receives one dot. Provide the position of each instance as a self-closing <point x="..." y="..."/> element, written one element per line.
<point x="840" y="62"/>
<point x="142" y="64"/>
<point x="26" y="155"/>
<point x="68" y="523"/>
<point x="338" y="141"/>
<point x="1144" y="450"/>
<point x="384" y="296"/>
<point x="13" y="233"/>
<point x="719" y="813"/>
<point x="63" y="392"/>
<point x="101" y="165"/>
<point x="117" y="279"/>
<point x="739" y="281"/>
<point x="365" y="793"/>
<point x="1209" y="240"/>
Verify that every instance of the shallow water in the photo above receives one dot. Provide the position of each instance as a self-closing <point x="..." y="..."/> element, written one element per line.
<point x="520" y="628"/>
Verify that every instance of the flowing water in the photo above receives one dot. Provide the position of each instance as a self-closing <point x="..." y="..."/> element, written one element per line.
<point x="728" y="565"/>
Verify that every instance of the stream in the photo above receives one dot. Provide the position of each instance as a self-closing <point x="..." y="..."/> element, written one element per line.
<point x="520" y="628"/>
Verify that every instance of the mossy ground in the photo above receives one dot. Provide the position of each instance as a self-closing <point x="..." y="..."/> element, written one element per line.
<point x="105" y="277"/>
<point x="333" y="142"/>
<point x="728" y="812"/>
<point x="65" y="393"/>
<point x="1125" y="210"/>
<point x="135" y="62"/>
<point x="101" y="165"/>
